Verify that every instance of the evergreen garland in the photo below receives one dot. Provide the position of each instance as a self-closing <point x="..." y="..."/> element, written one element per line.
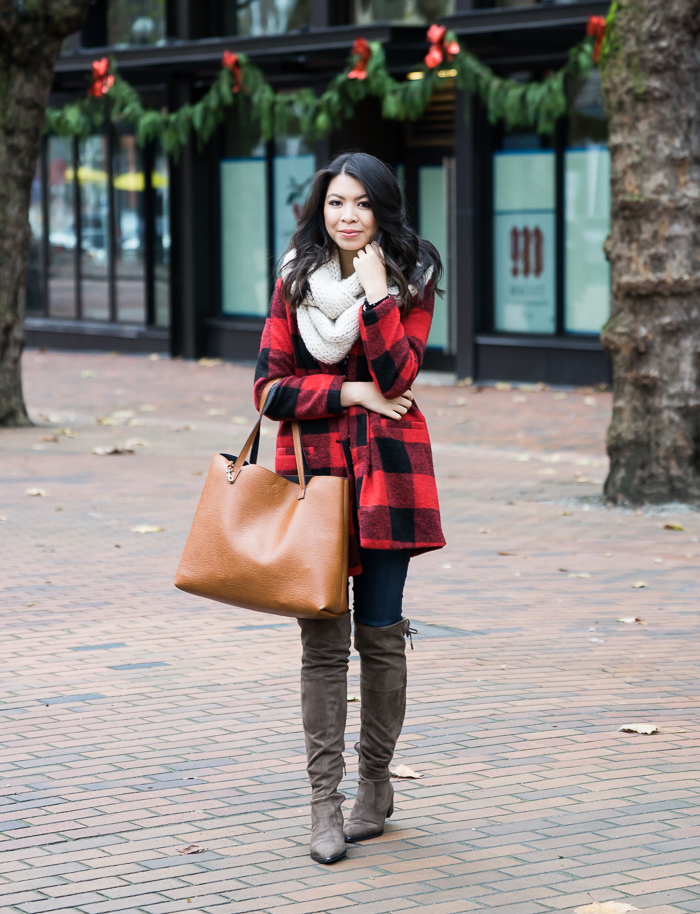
<point x="535" y="104"/>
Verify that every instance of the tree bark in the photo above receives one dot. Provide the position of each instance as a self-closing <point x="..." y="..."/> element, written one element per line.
<point x="650" y="69"/>
<point x="30" y="41"/>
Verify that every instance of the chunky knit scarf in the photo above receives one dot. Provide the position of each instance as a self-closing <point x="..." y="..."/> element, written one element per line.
<point x="329" y="318"/>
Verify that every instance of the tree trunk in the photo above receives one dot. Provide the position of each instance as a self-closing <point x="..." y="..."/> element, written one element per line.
<point x="30" y="41"/>
<point x="650" y="70"/>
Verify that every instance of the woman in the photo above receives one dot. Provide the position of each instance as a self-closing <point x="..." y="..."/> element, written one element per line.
<point x="347" y="330"/>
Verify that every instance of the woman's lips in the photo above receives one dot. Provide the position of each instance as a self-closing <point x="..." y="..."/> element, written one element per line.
<point x="349" y="233"/>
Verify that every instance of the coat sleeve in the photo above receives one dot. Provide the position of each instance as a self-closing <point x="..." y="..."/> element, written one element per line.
<point x="315" y="396"/>
<point x="395" y="347"/>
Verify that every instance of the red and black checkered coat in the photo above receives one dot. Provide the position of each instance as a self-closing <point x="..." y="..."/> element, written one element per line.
<point x="389" y="460"/>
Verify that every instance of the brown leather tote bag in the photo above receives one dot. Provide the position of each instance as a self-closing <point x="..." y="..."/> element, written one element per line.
<point x="266" y="542"/>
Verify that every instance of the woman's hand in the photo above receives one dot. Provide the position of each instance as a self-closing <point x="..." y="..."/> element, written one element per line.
<point x="365" y="393"/>
<point x="370" y="269"/>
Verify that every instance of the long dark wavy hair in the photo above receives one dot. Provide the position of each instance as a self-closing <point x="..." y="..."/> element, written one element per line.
<point x="408" y="258"/>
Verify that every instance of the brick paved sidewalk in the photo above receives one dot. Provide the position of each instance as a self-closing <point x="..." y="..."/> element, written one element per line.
<point x="138" y="720"/>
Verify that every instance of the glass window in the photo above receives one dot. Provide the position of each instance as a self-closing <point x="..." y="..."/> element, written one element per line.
<point x="135" y="22"/>
<point x="587" y="176"/>
<point x="161" y="253"/>
<point x="293" y="171"/>
<point x="94" y="228"/>
<point x="423" y="12"/>
<point x="587" y="198"/>
<point x="524" y="202"/>
<point x="265" y="17"/>
<point x="35" y="270"/>
<point x="62" y="237"/>
<point x="129" y="229"/>
<point x="244" y="251"/>
<point x="432" y="224"/>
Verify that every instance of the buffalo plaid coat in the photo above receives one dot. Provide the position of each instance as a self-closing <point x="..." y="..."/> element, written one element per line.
<point x="389" y="460"/>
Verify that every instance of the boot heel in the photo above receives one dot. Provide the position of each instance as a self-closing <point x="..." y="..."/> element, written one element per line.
<point x="390" y="811"/>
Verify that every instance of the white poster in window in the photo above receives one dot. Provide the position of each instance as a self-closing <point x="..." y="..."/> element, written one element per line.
<point x="292" y="177"/>
<point x="244" y="257"/>
<point x="587" y="182"/>
<point x="524" y="242"/>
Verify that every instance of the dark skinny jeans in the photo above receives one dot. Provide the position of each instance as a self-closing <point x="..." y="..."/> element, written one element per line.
<point x="378" y="591"/>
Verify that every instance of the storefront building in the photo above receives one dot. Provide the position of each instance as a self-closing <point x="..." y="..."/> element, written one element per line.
<point x="136" y="251"/>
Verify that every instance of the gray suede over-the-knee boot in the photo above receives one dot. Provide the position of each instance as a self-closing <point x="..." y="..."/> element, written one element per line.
<point x="382" y="652"/>
<point x="324" y="697"/>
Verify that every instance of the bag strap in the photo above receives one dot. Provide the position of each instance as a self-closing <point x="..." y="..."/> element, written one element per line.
<point x="233" y="471"/>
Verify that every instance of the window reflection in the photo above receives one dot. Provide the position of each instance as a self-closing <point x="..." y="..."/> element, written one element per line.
<point x="35" y="272"/>
<point x="136" y="22"/>
<point x="161" y="254"/>
<point x="129" y="223"/>
<point x="94" y="228"/>
<point x="61" y="228"/>
<point x="406" y="11"/>
<point x="265" y="17"/>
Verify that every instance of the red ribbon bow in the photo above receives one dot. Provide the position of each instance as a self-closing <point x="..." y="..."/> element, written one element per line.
<point x="230" y="62"/>
<point x="362" y="50"/>
<point x="438" y="49"/>
<point x="595" y="28"/>
<point x="102" y="82"/>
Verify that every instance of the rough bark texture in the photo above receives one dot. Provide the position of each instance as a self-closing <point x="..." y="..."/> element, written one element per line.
<point x="31" y="33"/>
<point x="651" y="83"/>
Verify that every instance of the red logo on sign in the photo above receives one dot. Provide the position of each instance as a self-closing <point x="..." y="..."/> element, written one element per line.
<point x="526" y="251"/>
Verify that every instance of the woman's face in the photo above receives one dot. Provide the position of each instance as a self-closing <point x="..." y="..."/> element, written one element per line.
<point x="348" y="215"/>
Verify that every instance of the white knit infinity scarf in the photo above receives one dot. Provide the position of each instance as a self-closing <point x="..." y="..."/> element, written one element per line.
<point x="329" y="317"/>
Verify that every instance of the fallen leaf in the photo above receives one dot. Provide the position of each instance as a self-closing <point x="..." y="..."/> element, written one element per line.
<point x="565" y="514"/>
<point x="606" y="907"/>
<point x="519" y="398"/>
<point x="67" y="432"/>
<point x="136" y="422"/>
<point x="564" y="570"/>
<point x="503" y="385"/>
<point x="31" y="604"/>
<point x="122" y="414"/>
<point x="42" y="493"/>
<point x="483" y="530"/>
<point x="146" y="528"/>
<point x="154" y="357"/>
<point x="105" y="451"/>
<point x="659" y="561"/>
<point x="136" y="442"/>
<point x="552" y="458"/>
<point x="630" y="620"/>
<point x="192" y="849"/>
<point x="561" y="396"/>
<point x="51" y="438"/>
<point x="197" y="473"/>
<point x="239" y="420"/>
<point x="87" y="373"/>
<point x="216" y="411"/>
<point x="208" y="363"/>
<point x="147" y="408"/>
<point x="672" y="730"/>
<point x="582" y="574"/>
<point x="607" y="555"/>
<point x="353" y="698"/>
<point x="108" y="420"/>
<point x="638" y="584"/>
<point x="589" y="401"/>
<point x="3" y="517"/>
<point x="507" y="553"/>
<point x="646" y="729"/>
<point x="673" y="527"/>
<point x="181" y="428"/>
<point x="523" y="458"/>
<point x="403" y="771"/>
<point x="583" y="479"/>
<point x="461" y="401"/>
